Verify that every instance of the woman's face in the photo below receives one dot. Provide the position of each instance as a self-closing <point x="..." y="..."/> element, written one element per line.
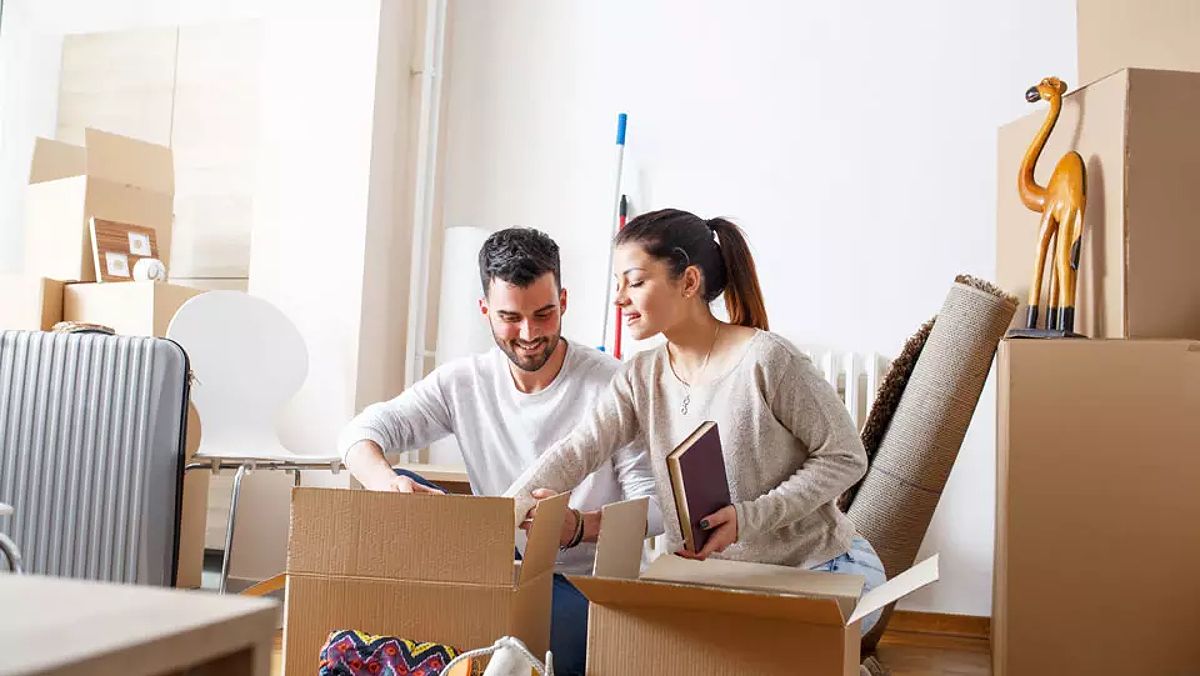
<point x="650" y="300"/>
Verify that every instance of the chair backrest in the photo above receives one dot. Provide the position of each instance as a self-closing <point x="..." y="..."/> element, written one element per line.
<point x="248" y="360"/>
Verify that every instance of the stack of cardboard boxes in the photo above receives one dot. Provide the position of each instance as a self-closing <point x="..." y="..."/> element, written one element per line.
<point x="1098" y="442"/>
<point x="114" y="178"/>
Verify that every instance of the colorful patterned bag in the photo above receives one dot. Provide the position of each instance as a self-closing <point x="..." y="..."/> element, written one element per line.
<point x="356" y="653"/>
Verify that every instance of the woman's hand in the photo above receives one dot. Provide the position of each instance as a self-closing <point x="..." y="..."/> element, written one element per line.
<point x="723" y="531"/>
<point x="567" y="534"/>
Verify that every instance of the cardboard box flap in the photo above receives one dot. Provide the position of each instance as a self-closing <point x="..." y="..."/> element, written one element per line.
<point x="53" y="160"/>
<point x="619" y="545"/>
<point x="542" y="546"/>
<point x="896" y="588"/>
<point x="614" y="593"/>
<point x="845" y="589"/>
<point x="343" y="532"/>
<point x="129" y="161"/>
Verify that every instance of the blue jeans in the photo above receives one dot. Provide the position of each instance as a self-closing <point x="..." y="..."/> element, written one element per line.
<point x="568" y="614"/>
<point x="568" y="628"/>
<point x="860" y="560"/>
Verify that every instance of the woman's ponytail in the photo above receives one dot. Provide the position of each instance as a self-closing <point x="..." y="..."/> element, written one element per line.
<point x="743" y="295"/>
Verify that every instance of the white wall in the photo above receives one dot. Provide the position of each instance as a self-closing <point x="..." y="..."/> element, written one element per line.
<point x="316" y="212"/>
<point x="855" y="144"/>
<point x="30" y="56"/>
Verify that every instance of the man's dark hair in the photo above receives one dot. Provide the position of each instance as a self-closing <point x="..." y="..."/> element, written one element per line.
<point x="518" y="256"/>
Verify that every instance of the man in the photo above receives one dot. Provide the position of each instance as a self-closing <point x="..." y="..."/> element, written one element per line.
<point x="505" y="408"/>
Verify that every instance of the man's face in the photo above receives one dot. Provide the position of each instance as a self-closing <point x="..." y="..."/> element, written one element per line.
<point x="526" y="321"/>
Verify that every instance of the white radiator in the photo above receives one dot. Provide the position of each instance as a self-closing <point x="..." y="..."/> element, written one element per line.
<point x="855" y="376"/>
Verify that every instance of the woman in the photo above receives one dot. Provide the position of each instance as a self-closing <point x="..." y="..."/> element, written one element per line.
<point x="789" y="444"/>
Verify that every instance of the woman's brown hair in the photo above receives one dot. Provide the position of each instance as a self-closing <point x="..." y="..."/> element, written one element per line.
<point x="716" y="246"/>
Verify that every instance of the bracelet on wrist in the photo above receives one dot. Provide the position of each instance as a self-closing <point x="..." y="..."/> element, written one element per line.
<point x="578" y="536"/>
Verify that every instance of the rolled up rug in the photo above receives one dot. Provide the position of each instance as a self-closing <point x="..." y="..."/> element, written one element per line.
<point x="897" y="497"/>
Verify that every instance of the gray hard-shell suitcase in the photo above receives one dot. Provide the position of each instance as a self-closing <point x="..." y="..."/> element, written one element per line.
<point x="92" y="433"/>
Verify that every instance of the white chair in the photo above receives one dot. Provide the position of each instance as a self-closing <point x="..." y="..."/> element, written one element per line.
<point x="7" y="546"/>
<point x="247" y="360"/>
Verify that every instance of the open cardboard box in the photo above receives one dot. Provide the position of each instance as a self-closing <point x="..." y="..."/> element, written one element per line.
<point x="422" y="567"/>
<point x="707" y="617"/>
<point x="111" y="177"/>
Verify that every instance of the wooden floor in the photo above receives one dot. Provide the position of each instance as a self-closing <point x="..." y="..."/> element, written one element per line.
<point x="911" y="654"/>
<point x="904" y="653"/>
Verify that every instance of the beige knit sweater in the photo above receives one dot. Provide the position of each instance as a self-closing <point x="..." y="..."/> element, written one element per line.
<point x="790" y="447"/>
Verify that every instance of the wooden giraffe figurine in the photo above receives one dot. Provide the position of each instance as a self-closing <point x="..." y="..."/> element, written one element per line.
<point x="1061" y="203"/>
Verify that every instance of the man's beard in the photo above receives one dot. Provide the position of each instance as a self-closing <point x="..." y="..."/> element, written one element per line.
<point x="529" y="362"/>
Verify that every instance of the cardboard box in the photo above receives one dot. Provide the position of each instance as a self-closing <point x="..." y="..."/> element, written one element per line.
<point x="1097" y="508"/>
<point x="422" y="567"/>
<point x="1136" y="131"/>
<point x="129" y="308"/>
<point x="29" y="303"/>
<point x="112" y="177"/>
<point x="717" y="617"/>
<point x="1116" y="34"/>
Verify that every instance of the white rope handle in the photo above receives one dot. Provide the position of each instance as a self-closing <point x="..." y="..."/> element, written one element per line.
<point x="507" y="642"/>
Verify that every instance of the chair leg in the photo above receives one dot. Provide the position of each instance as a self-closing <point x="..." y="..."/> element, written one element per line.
<point x="12" y="553"/>
<point x="233" y="502"/>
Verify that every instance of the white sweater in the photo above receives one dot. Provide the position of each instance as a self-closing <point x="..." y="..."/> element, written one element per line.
<point x="502" y="431"/>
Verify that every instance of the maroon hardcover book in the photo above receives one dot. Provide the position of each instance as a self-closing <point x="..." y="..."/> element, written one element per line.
<point x="697" y="470"/>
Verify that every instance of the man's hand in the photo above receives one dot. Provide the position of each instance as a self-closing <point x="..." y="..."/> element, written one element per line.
<point x="398" y="484"/>
<point x="723" y="531"/>
<point x="366" y="462"/>
<point x="567" y="533"/>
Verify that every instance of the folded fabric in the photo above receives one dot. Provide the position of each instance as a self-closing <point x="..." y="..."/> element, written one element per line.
<point x="356" y="653"/>
<point x="508" y="656"/>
